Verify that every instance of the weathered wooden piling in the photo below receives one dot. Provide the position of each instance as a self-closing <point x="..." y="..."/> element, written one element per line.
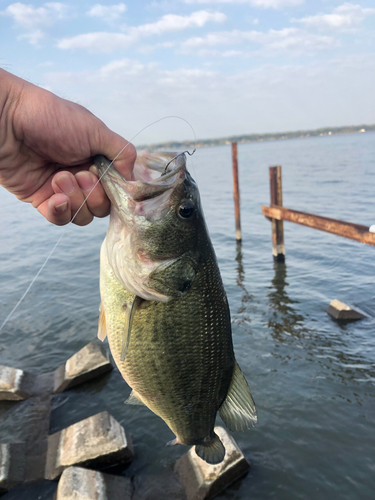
<point x="236" y="192"/>
<point x="278" y="248"/>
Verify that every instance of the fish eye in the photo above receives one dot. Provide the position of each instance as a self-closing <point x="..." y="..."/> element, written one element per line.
<point x="186" y="209"/>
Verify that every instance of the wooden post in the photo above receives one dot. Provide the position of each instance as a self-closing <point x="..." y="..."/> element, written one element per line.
<point x="278" y="249"/>
<point x="236" y="192"/>
<point x="356" y="232"/>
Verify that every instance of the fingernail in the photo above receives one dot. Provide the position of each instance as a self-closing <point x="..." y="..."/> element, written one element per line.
<point x="65" y="183"/>
<point x="85" y="182"/>
<point x="61" y="208"/>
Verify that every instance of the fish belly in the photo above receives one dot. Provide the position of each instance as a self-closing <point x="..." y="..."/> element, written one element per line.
<point x="180" y="356"/>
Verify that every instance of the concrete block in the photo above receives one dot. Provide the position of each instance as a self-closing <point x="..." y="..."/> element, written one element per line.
<point x="12" y="465"/>
<point x="339" y="310"/>
<point x="77" y="483"/>
<point x="12" y="384"/>
<point x="202" y="480"/>
<point x="96" y="441"/>
<point x="91" y="361"/>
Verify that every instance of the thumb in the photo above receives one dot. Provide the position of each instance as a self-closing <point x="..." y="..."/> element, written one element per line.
<point x="116" y="149"/>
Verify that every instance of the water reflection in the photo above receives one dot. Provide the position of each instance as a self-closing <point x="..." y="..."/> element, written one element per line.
<point x="284" y="319"/>
<point x="247" y="297"/>
<point x="325" y="345"/>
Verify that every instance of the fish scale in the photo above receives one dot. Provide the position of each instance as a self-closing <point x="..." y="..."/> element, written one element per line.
<point x="165" y="309"/>
<point x="161" y="361"/>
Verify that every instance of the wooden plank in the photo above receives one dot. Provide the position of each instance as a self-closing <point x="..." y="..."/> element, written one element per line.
<point x="278" y="248"/>
<point x="345" y="229"/>
<point x="236" y="192"/>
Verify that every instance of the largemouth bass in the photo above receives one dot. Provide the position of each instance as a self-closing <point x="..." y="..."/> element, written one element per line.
<point x="164" y="307"/>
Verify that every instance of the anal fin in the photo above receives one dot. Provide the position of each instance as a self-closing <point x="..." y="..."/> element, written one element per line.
<point x="133" y="399"/>
<point x="238" y="410"/>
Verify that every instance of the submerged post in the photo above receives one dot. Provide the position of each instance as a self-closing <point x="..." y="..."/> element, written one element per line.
<point x="236" y="192"/>
<point x="278" y="249"/>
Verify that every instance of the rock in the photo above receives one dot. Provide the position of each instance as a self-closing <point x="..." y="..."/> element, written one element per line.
<point x="96" y="441"/>
<point x="12" y="384"/>
<point x="91" y="361"/>
<point x="202" y="480"/>
<point x="12" y="465"/>
<point x="341" y="311"/>
<point x="77" y="483"/>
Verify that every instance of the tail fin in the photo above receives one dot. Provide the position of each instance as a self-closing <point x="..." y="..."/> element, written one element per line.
<point x="212" y="452"/>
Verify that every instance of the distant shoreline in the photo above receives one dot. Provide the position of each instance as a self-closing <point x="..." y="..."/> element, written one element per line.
<point x="242" y="139"/>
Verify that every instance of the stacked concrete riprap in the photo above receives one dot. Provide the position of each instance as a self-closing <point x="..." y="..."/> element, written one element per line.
<point x="97" y="441"/>
<point x="25" y="461"/>
<point x="77" y="483"/>
<point x="202" y="480"/>
<point x="76" y="452"/>
<point x="86" y="364"/>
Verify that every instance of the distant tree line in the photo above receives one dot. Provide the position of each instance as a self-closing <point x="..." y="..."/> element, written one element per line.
<point x="178" y="145"/>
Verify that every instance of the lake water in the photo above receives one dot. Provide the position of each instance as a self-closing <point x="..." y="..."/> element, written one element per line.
<point x="313" y="379"/>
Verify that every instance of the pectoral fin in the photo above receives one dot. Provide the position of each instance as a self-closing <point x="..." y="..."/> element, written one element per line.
<point x="238" y="410"/>
<point x="102" y="331"/>
<point x="126" y="338"/>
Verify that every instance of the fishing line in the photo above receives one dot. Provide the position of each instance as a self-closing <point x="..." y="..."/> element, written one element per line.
<point x="84" y="201"/>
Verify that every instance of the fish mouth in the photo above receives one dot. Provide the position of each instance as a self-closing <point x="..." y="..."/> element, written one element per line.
<point x="154" y="174"/>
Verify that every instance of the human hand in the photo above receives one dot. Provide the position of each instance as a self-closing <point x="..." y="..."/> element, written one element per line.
<point x="46" y="150"/>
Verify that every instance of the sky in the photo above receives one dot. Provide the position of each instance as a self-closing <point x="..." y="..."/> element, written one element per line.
<point x="226" y="67"/>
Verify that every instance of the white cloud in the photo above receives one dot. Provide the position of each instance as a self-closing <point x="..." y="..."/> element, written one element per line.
<point x="128" y="95"/>
<point x="173" y="22"/>
<point x="130" y="66"/>
<point x="292" y="41"/>
<point x="108" y="42"/>
<point x="265" y="4"/>
<point x="32" y="37"/>
<point x="108" y="13"/>
<point x="29" y="17"/>
<point x="345" y="17"/>
<point x="101" y="41"/>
